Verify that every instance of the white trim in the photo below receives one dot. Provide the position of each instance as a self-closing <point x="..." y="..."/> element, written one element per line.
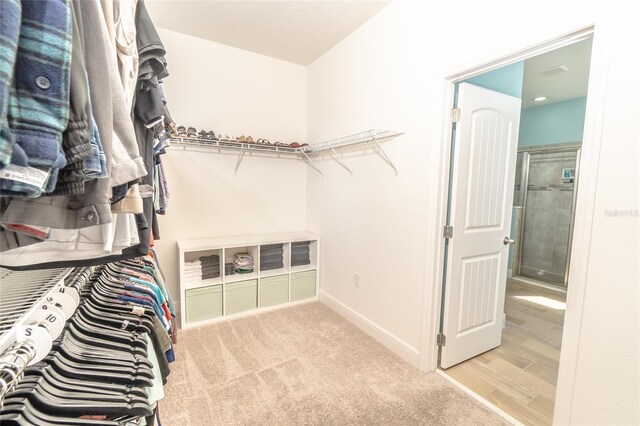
<point x="433" y="293"/>
<point x="392" y="342"/>
<point x="584" y="209"/>
<point x="479" y="398"/>
<point x="583" y="226"/>
<point x="522" y="54"/>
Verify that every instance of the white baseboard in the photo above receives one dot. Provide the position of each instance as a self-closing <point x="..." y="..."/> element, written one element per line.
<point x="393" y="343"/>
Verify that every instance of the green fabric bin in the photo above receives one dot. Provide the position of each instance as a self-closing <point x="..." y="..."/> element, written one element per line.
<point x="204" y="303"/>
<point x="303" y="285"/>
<point x="241" y="296"/>
<point x="274" y="290"/>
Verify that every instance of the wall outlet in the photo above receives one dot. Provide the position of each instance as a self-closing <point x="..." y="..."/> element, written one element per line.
<point x="356" y="280"/>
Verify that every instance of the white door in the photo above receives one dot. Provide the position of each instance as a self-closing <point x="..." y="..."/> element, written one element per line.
<point x="486" y="144"/>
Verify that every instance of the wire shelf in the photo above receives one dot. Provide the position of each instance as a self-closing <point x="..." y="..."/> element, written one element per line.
<point x="21" y="290"/>
<point x="304" y="153"/>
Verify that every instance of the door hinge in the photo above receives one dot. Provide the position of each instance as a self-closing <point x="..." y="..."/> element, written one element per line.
<point x="447" y="231"/>
<point x="455" y="115"/>
<point x="441" y="339"/>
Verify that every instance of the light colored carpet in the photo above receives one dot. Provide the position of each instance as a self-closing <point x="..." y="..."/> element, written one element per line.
<point x="304" y="365"/>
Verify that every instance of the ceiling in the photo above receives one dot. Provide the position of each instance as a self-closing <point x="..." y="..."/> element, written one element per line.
<point x="560" y="86"/>
<point x="295" y="31"/>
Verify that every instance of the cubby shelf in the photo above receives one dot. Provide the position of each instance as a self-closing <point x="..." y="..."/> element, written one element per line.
<point x="235" y="295"/>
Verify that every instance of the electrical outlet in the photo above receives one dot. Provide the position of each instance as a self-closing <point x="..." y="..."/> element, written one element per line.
<point x="356" y="279"/>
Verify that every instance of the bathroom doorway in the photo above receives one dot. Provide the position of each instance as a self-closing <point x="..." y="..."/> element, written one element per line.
<point x="554" y="90"/>
<point x="506" y="295"/>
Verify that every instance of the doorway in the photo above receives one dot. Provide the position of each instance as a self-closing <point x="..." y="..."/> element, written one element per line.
<point x="517" y="371"/>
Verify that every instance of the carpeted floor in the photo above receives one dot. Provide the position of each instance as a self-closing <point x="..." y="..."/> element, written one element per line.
<point x="304" y="365"/>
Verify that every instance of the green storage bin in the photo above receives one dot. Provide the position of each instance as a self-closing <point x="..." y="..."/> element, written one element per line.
<point x="274" y="290"/>
<point x="303" y="285"/>
<point x="204" y="303"/>
<point x="241" y="296"/>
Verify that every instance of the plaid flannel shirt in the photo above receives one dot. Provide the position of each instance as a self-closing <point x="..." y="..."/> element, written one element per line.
<point x="38" y="109"/>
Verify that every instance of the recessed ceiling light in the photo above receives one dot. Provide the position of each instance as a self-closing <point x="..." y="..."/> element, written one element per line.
<point x="540" y="99"/>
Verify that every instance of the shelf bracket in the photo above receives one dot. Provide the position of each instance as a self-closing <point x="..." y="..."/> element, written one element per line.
<point x="312" y="164"/>
<point x="240" y="157"/>
<point x="341" y="161"/>
<point x="384" y="155"/>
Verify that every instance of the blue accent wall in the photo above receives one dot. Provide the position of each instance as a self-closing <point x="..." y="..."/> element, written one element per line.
<point x="507" y="80"/>
<point x="560" y="122"/>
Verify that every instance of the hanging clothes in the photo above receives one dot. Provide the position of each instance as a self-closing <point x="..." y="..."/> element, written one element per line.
<point x="101" y="183"/>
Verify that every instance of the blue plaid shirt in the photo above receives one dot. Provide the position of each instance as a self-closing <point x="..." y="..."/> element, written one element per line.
<point x="38" y="101"/>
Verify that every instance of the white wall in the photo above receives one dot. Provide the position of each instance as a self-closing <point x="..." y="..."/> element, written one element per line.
<point x="220" y="88"/>
<point x="374" y="222"/>
<point x="390" y="74"/>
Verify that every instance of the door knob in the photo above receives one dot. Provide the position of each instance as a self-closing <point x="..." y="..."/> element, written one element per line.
<point x="507" y="241"/>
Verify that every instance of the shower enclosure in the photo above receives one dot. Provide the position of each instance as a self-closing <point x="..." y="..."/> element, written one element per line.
<point x="543" y="212"/>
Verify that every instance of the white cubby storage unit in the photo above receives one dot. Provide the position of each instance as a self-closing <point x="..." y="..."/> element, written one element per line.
<point x="289" y="276"/>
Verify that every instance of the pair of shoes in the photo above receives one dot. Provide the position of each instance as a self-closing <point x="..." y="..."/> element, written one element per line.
<point x="263" y="141"/>
<point x="298" y="145"/>
<point x="244" y="139"/>
<point x="225" y="139"/>
<point x="187" y="132"/>
<point x="209" y="136"/>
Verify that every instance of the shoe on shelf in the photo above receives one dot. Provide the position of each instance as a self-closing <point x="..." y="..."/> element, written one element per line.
<point x="202" y="134"/>
<point x="211" y="135"/>
<point x="192" y="132"/>
<point x="294" y="145"/>
<point x="182" y="132"/>
<point x="250" y="139"/>
<point x="173" y="131"/>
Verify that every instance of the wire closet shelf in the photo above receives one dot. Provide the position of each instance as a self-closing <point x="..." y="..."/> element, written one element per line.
<point x="373" y="136"/>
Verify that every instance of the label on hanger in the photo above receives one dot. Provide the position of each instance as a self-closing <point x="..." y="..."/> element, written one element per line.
<point x="28" y="175"/>
<point x="138" y="310"/>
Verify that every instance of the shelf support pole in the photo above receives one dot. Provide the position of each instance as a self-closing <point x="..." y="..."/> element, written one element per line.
<point x="312" y="164"/>
<point x="341" y="161"/>
<point x="384" y="155"/>
<point x="240" y="157"/>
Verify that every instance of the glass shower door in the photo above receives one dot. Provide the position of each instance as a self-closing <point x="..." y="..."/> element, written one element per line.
<point x="548" y="214"/>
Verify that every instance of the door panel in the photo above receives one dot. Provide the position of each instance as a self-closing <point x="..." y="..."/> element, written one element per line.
<point x="489" y="131"/>
<point x="477" y="301"/>
<point x="481" y="198"/>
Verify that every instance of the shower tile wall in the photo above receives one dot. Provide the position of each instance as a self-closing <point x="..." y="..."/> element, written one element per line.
<point x="547" y="217"/>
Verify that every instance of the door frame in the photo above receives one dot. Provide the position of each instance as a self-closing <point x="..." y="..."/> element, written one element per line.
<point x="583" y="221"/>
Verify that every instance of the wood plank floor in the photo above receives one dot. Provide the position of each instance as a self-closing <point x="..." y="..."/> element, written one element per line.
<point x="520" y="375"/>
